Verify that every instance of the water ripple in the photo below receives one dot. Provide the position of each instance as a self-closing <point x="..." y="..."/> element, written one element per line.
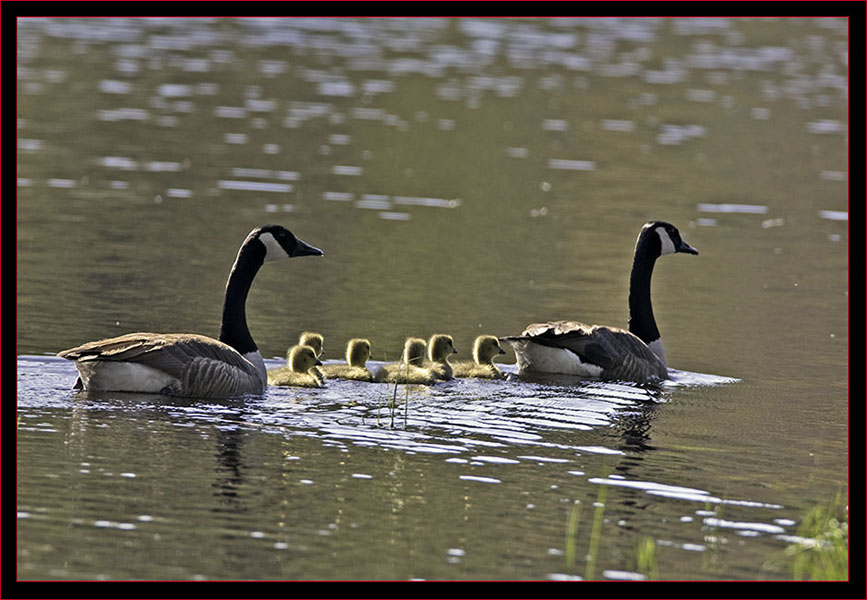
<point x="451" y="417"/>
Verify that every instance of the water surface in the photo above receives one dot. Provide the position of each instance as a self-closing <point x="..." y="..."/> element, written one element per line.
<point x="463" y="176"/>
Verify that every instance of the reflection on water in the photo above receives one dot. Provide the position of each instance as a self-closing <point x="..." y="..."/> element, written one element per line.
<point x="462" y="176"/>
<point x="484" y="432"/>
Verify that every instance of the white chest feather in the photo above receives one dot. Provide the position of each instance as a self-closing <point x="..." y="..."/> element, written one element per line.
<point x="656" y="347"/>
<point x="124" y="376"/>
<point x="545" y="359"/>
<point x="258" y="362"/>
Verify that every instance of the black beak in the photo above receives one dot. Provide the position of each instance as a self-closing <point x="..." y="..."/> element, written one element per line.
<point x="686" y="248"/>
<point x="304" y="249"/>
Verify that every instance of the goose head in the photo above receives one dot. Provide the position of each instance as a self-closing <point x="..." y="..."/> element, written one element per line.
<point x="485" y="348"/>
<point x="312" y="339"/>
<point x="275" y="242"/>
<point x="440" y="347"/>
<point x="357" y="352"/>
<point x="414" y="351"/>
<point x="302" y="359"/>
<point x="658" y="238"/>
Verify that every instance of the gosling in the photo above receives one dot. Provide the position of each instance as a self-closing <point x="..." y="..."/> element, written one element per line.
<point x="312" y="339"/>
<point x="485" y="348"/>
<point x="439" y="348"/>
<point x="409" y="369"/>
<point x="315" y="341"/>
<point x="299" y="371"/>
<point x="357" y="355"/>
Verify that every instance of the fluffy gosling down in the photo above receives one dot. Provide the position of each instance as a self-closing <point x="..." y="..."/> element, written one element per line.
<point x="409" y="369"/>
<point x="485" y="348"/>
<point x="357" y="355"/>
<point x="315" y="341"/>
<point x="439" y="348"/>
<point x="312" y="339"/>
<point x="300" y="370"/>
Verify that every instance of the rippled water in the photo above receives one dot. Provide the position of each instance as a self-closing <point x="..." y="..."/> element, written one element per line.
<point x="465" y="176"/>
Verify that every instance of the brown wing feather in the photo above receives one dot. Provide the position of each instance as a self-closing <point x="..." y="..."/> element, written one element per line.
<point x="620" y="353"/>
<point x="164" y="351"/>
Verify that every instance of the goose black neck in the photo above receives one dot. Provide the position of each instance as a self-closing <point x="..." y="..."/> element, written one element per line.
<point x="234" y="331"/>
<point x="641" y="321"/>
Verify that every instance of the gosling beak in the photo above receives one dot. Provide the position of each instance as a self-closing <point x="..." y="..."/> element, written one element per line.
<point x="501" y="351"/>
<point x="318" y="362"/>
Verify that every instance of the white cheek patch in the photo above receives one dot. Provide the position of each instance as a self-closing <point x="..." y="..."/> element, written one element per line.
<point x="667" y="246"/>
<point x="273" y="249"/>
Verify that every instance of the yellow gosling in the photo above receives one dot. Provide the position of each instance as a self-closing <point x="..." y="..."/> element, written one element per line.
<point x="485" y="348"/>
<point x="299" y="371"/>
<point x="413" y="351"/>
<point x="315" y="341"/>
<point x="409" y="369"/>
<point x="312" y="339"/>
<point x="357" y="355"/>
<point x="439" y="348"/>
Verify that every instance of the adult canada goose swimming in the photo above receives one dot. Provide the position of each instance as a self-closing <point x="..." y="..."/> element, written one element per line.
<point x="485" y="348"/>
<point x="612" y="353"/>
<point x="187" y="364"/>
<point x="300" y="370"/>
<point x="357" y="355"/>
<point x="409" y="369"/>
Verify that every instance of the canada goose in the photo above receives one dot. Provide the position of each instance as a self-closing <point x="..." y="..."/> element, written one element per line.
<point x="357" y="355"/>
<point x="315" y="341"/>
<point x="414" y="350"/>
<point x="299" y="371"/>
<point x="485" y="348"/>
<point x="439" y="348"/>
<point x="409" y="369"/>
<point x="575" y="348"/>
<point x="312" y="339"/>
<point x="186" y="364"/>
